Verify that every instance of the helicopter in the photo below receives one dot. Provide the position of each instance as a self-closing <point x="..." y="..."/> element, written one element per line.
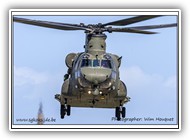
<point x="92" y="79"/>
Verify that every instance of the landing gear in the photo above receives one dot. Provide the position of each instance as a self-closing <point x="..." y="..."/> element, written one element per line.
<point x="68" y="110"/>
<point x="117" y="113"/>
<point x="120" y="112"/>
<point x="65" y="109"/>
<point x="62" y="111"/>
<point x="123" y="112"/>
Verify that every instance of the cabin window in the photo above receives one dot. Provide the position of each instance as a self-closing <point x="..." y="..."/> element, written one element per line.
<point x="86" y="63"/>
<point x="106" y="64"/>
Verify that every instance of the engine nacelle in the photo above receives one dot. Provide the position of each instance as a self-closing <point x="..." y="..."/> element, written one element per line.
<point x="69" y="59"/>
<point x="122" y="89"/>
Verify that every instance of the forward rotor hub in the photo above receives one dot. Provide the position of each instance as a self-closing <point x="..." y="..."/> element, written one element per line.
<point x="96" y="28"/>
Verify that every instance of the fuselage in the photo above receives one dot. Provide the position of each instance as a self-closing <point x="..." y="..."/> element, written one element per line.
<point x="94" y="77"/>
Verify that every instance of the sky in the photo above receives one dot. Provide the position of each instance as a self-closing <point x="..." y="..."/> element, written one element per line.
<point x="149" y="70"/>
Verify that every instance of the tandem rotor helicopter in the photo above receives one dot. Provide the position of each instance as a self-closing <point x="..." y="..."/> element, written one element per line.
<point x="92" y="79"/>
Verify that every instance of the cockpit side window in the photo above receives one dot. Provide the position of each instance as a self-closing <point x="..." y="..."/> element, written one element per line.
<point x="96" y="63"/>
<point x="106" y="64"/>
<point x="86" y="63"/>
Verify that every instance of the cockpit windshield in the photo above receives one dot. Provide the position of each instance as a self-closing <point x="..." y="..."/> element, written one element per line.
<point x="86" y="63"/>
<point x="96" y="63"/>
<point x="106" y="63"/>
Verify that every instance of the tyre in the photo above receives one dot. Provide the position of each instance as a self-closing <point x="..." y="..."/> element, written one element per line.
<point x="118" y="118"/>
<point x="123" y="112"/>
<point x="62" y="111"/>
<point x="68" y="110"/>
<point x="117" y="113"/>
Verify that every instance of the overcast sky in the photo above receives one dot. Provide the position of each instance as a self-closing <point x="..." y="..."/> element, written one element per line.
<point x="149" y="70"/>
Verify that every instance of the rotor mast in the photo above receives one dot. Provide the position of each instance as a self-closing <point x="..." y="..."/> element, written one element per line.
<point x="95" y="44"/>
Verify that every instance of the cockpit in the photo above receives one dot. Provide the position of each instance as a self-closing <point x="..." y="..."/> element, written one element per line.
<point x="96" y="63"/>
<point x="95" y="69"/>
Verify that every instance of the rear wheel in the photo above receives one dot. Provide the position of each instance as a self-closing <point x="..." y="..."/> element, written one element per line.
<point x="123" y="112"/>
<point x="117" y="113"/>
<point x="62" y="111"/>
<point x="68" y="110"/>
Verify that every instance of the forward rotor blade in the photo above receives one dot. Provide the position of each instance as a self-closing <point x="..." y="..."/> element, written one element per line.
<point x="130" y="30"/>
<point x="54" y="25"/>
<point x="154" y="26"/>
<point x="131" y="20"/>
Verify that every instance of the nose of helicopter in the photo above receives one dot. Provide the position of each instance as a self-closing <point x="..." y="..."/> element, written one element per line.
<point x="96" y="75"/>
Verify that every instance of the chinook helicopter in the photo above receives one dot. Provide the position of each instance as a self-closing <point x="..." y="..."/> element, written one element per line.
<point x="92" y="78"/>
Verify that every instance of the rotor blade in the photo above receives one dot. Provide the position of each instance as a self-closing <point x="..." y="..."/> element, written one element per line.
<point x="130" y="30"/>
<point x="154" y="26"/>
<point x="54" y="25"/>
<point x="131" y="20"/>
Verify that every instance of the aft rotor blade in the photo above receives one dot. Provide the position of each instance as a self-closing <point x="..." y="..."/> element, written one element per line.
<point x="130" y="30"/>
<point x="154" y="26"/>
<point x="54" y="25"/>
<point x="131" y="20"/>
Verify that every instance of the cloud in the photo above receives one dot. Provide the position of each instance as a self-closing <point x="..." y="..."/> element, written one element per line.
<point x="171" y="82"/>
<point x="28" y="76"/>
<point x="136" y="78"/>
<point x="151" y="94"/>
